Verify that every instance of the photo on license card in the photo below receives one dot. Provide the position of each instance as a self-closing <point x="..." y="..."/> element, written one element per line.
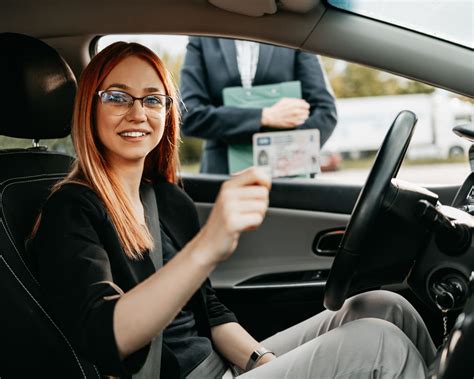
<point x="287" y="154"/>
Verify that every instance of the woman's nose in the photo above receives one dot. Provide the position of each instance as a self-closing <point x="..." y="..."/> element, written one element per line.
<point x="137" y="111"/>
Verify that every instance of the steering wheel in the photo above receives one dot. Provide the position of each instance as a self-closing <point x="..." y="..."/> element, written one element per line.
<point x="366" y="210"/>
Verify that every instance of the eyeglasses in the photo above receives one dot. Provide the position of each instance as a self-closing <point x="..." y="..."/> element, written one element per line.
<point x="119" y="103"/>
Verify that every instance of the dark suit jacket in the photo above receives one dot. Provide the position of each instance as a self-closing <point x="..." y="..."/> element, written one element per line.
<point x="211" y="65"/>
<point x="83" y="269"/>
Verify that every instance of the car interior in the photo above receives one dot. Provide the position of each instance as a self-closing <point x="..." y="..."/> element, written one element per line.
<point x="320" y="243"/>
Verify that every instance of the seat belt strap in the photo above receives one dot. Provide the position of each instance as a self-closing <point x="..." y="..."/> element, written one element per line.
<point x="151" y="368"/>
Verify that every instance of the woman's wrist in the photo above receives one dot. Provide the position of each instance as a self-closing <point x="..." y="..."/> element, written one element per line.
<point x="265" y="359"/>
<point x="201" y="252"/>
<point x="259" y="356"/>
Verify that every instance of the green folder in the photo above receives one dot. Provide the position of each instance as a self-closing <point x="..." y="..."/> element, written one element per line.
<point x="240" y="155"/>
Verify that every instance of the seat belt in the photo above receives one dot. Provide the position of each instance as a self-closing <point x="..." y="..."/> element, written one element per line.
<point x="151" y="368"/>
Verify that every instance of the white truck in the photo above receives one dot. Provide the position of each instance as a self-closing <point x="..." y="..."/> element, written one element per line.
<point x="364" y="121"/>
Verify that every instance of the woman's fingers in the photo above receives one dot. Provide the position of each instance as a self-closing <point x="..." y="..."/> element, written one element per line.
<point x="249" y="221"/>
<point x="240" y="206"/>
<point x="250" y="176"/>
<point x="251" y="192"/>
<point x="251" y="206"/>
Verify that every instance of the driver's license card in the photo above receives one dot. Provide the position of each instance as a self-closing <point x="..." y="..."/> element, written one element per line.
<point x="288" y="153"/>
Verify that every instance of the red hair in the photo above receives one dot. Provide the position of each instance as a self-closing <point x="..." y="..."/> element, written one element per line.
<point x="91" y="168"/>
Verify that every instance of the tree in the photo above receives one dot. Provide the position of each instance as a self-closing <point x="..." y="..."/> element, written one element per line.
<point x="173" y="63"/>
<point x="353" y="80"/>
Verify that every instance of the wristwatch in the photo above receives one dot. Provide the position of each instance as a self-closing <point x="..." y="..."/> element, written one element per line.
<point x="256" y="355"/>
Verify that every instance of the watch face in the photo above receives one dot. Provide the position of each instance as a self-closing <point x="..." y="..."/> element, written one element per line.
<point x="255" y="356"/>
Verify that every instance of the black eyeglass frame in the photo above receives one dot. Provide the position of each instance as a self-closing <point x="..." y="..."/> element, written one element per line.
<point x="168" y="105"/>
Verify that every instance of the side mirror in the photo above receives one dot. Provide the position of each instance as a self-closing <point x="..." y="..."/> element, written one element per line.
<point x="466" y="131"/>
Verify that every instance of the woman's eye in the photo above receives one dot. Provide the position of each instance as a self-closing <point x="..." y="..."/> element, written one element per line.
<point x="116" y="98"/>
<point x="153" y="101"/>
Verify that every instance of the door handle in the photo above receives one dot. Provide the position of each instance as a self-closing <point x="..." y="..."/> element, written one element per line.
<point x="327" y="243"/>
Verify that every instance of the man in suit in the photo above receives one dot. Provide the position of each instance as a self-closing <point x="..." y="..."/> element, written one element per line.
<point x="212" y="64"/>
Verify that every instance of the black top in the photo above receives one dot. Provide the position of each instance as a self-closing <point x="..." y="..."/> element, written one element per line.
<point x="181" y="335"/>
<point x="83" y="270"/>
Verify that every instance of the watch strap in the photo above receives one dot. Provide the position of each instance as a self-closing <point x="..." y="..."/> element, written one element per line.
<point x="256" y="355"/>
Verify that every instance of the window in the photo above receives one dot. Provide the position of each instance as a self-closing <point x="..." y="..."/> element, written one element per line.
<point x="62" y="145"/>
<point x="367" y="101"/>
<point x="451" y="20"/>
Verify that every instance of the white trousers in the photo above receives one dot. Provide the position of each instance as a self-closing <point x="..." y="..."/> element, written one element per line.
<point x="376" y="334"/>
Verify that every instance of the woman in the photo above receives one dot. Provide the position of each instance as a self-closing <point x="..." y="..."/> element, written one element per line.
<point x="96" y="245"/>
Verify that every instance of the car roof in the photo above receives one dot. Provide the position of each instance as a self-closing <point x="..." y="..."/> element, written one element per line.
<point x="310" y="25"/>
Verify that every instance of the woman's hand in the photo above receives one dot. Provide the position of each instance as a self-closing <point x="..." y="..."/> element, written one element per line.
<point x="241" y="205"/>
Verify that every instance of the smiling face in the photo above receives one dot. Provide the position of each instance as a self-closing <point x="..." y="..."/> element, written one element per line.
<point x="130" y="137"/>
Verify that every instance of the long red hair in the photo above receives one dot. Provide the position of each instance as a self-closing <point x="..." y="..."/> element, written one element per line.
<point x="91" y="168"/>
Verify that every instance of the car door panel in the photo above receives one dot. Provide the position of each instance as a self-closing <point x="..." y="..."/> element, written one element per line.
<point x="274" y="279"/>
<point x="276" y="248"/>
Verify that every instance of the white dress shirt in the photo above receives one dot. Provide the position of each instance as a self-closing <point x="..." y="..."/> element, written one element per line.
<point x="247" y="59"/>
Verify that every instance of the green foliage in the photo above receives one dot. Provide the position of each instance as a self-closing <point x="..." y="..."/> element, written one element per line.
<point x="190" y="150"/>
<point x="353" y="80"/>
<point x="173" y="63"/>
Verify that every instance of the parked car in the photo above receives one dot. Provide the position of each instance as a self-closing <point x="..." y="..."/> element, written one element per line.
<point x="321" y="241"/>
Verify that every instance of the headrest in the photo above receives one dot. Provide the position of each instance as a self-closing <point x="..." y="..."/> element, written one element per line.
<point x="38" y="89"/>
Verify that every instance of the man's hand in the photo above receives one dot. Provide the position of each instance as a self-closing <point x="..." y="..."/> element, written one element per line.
<point x="286" y="113"/>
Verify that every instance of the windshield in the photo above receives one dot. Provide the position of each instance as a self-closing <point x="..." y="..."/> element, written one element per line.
<point x="451" y="20"/>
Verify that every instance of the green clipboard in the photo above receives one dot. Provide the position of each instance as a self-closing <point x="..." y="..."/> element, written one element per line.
<point x="240" y="155"/>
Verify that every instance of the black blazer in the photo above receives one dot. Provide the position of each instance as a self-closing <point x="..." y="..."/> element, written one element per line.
<point x="83" y="270"/>
<point x="211" y="65"/>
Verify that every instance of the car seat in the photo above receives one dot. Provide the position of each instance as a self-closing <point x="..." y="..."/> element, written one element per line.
<point x="37" y="103"/>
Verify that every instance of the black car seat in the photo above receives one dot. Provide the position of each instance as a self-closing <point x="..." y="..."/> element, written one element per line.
<point x="38" y="90"/>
